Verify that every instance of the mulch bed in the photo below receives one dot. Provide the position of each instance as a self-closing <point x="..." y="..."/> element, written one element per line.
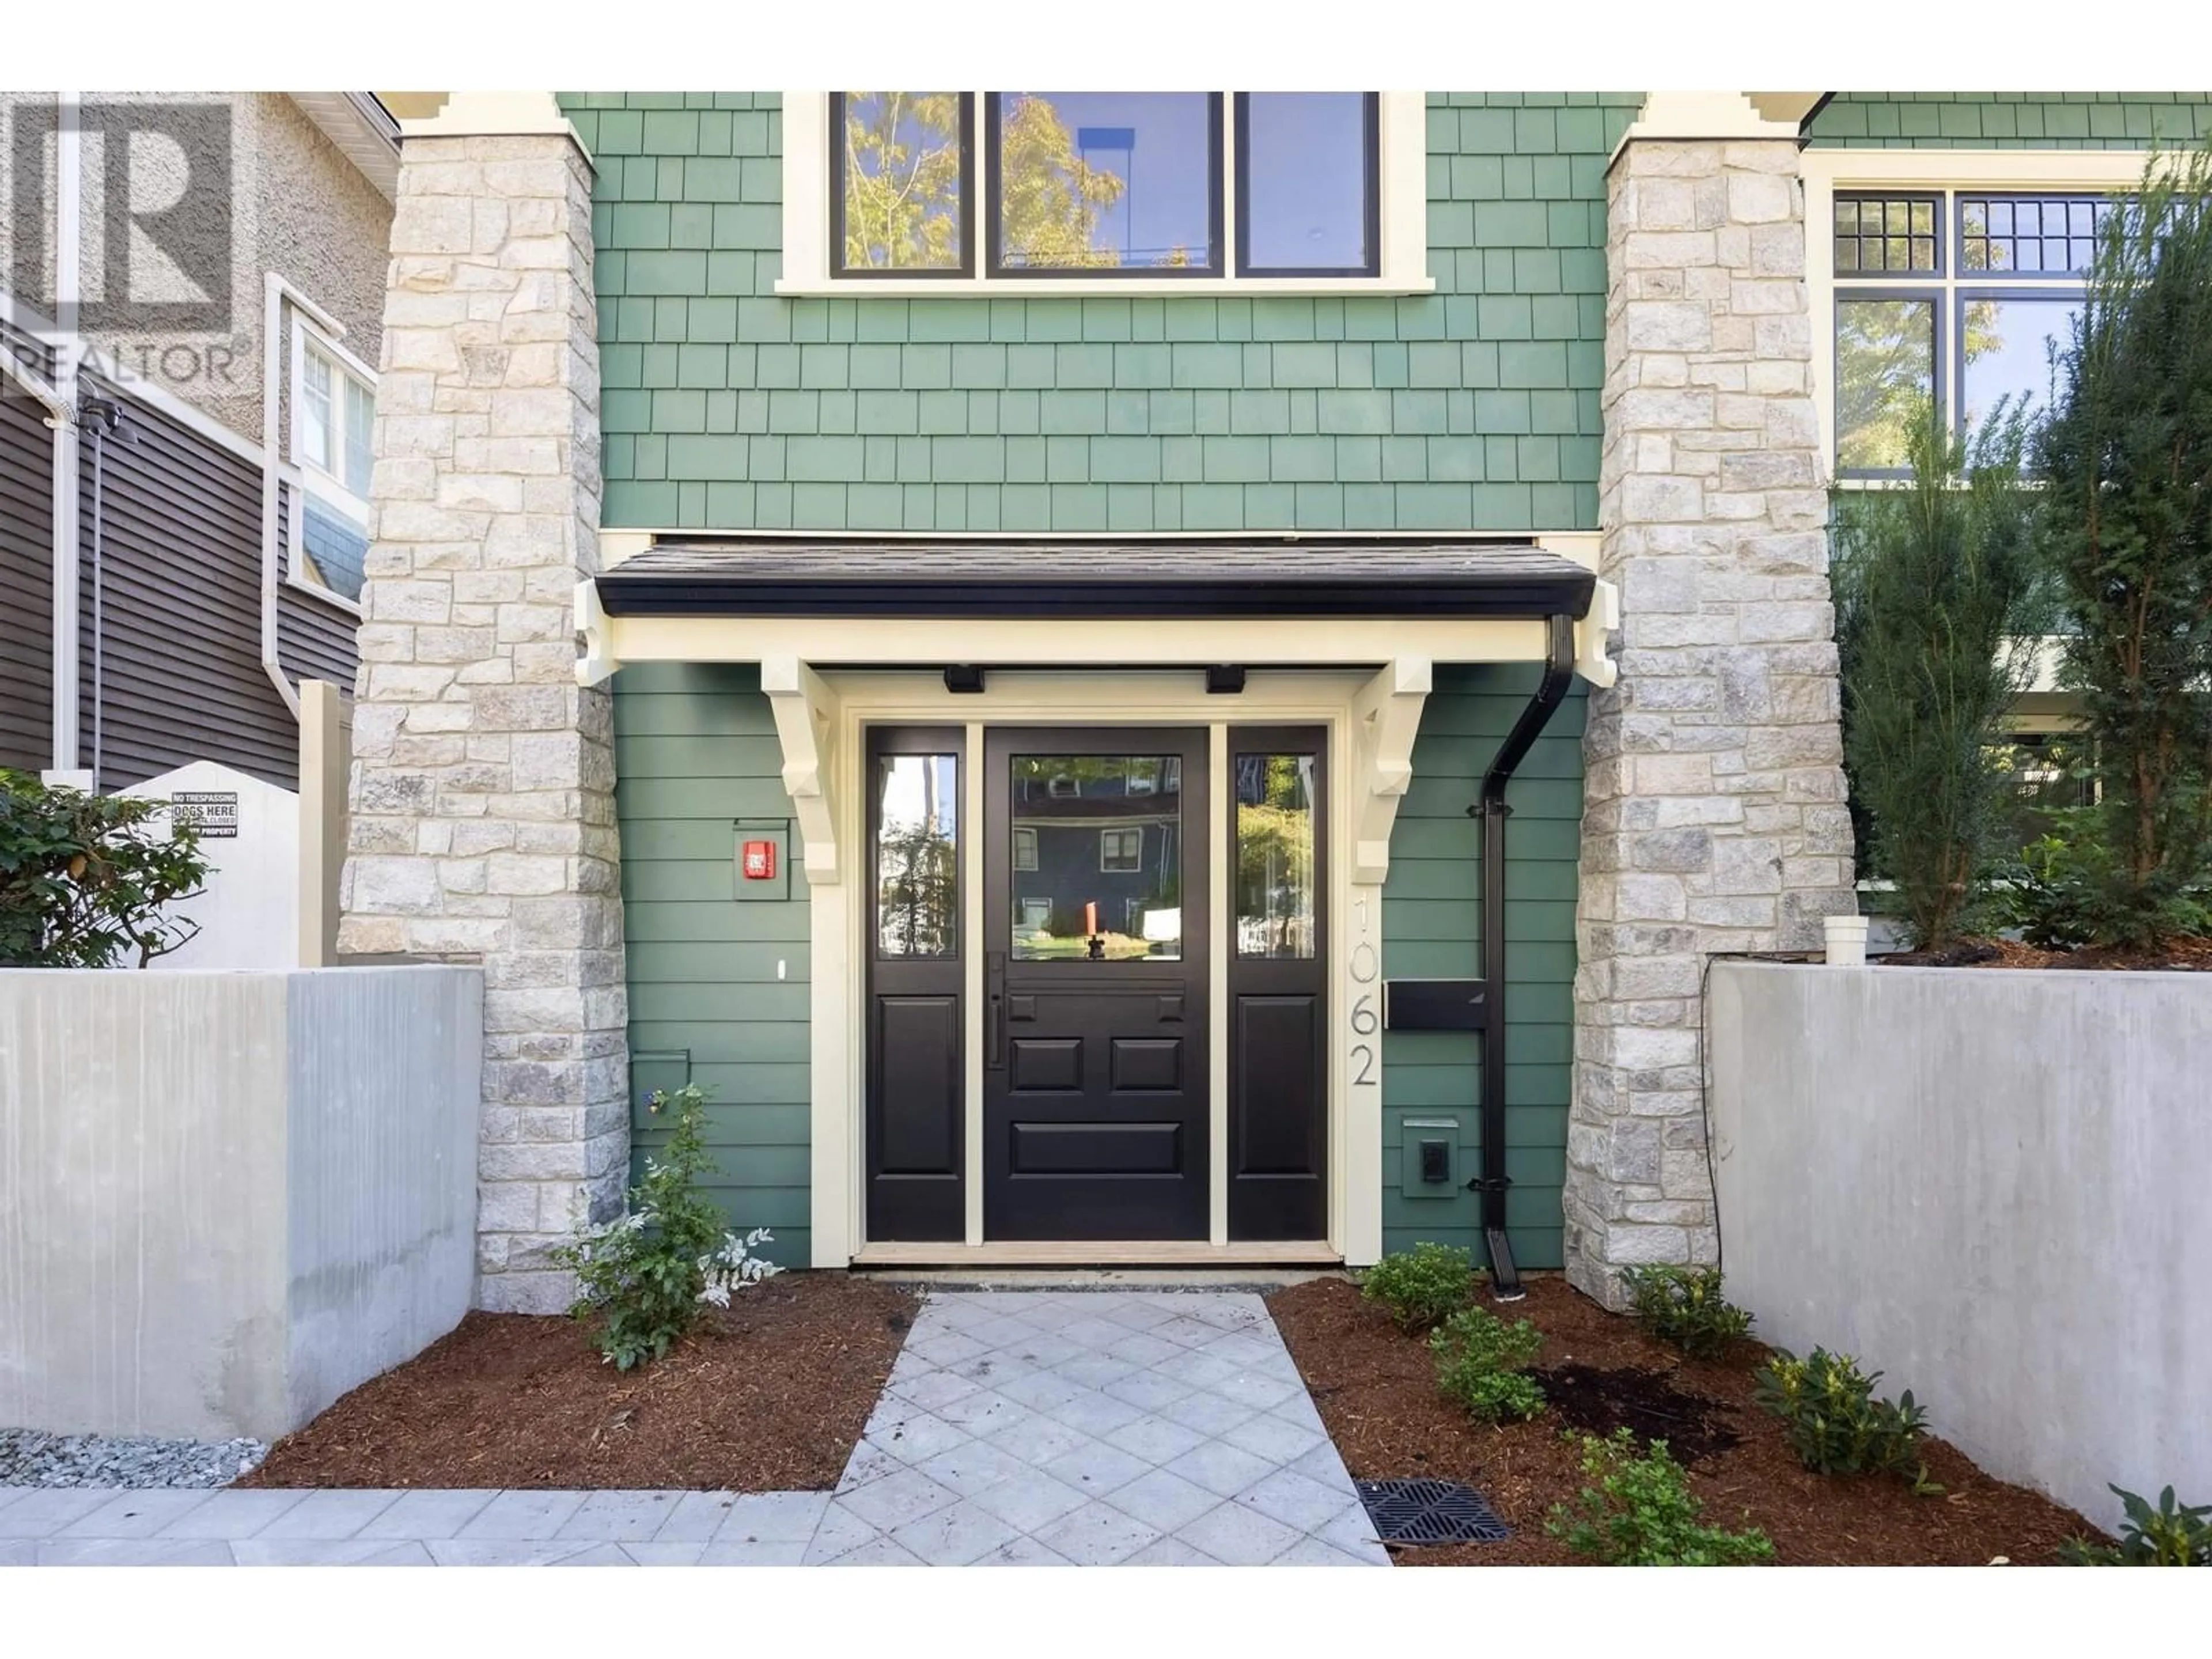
<point x="768" y="1396"/>
<point x="2182" y="955"/>
<point x="1375" y="1388"/>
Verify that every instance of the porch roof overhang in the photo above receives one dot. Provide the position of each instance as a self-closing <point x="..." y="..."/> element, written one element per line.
<point x="1304" y="577"/>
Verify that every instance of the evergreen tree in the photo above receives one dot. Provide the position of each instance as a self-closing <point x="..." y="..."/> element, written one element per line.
<point x="2127" y="457"/>
<point x="1936" y="590"/>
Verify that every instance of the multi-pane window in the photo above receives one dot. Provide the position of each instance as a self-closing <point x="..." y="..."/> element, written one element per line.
<point x="333" y="426"/>
<point x="1104" y="185"/>
<point x="1960" y="300"/>
<point x="1121" y="850"/>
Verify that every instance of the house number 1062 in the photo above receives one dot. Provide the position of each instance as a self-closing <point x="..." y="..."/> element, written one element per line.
<point x="1362" y="1017"/>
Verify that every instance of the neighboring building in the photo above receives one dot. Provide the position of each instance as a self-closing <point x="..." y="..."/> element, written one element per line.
<point x="1054" y="573"/>
<point x="184" y="495"/>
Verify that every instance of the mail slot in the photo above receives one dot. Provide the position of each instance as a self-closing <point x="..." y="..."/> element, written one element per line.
<point x="1435" y="1004"/>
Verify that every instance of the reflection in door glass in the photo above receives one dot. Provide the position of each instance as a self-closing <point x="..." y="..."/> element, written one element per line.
<point x="1097" y="857"/>
<point x="917" y="855"/>
<point x="1276" y="856"/>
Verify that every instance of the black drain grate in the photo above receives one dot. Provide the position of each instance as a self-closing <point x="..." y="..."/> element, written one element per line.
<point x="1429" y="1512"/>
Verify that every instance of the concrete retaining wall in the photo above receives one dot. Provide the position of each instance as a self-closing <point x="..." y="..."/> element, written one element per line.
<point x="227" y="1198"/>
<point x="1991" y="1186"/>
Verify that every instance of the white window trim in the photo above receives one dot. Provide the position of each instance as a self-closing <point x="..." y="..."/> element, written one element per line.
<point x="1827" y="172"/>
<point x="1138" y="868"/>
<point x="303" y="475"/>
<point x="1025" y="841"/>
<point x="1402" y="171"/>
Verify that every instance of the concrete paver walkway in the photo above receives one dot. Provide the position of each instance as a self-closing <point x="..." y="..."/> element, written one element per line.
<point x="1096" y="1427"/>
<point x="1018" y="1428"/>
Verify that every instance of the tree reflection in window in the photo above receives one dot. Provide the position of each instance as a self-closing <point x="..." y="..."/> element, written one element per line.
<point x="1276" y="856"/>
<point x="917" y="855"/>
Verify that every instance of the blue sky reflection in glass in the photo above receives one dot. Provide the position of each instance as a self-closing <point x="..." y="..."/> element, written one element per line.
<point x="1305" y="171"/>
<point x="1105" y="179"/>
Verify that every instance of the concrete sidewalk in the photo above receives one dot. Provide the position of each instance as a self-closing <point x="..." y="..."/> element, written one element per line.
<point x="1018" y="1428"/>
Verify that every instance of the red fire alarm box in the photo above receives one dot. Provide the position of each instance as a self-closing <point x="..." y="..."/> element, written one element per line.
<point x="760" y="861"/>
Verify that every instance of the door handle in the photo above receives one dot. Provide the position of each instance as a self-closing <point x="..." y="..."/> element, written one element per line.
<point x="995" y="1012"/>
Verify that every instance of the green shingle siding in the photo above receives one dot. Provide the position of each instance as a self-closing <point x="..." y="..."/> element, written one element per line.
<point x="2011" y="120"/>
<point x="688" y="228"/>
<point x="695" y="748"/>
<point x="1432" y="928"/>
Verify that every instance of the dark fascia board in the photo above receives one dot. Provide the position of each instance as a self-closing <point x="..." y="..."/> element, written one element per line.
<point x="692" y="593"/>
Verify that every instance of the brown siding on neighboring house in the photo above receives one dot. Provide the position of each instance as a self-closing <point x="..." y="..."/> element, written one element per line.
<point x="26" y="580"/>
<point x="181" y="607"/>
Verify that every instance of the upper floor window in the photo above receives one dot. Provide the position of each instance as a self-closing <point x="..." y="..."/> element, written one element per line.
<point x="333" y="425"/>
<point x="1057" y="192"/>
<point x="1957" y="297"/>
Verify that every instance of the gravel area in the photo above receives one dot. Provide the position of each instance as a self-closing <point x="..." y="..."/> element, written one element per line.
<point x="31" y="1457"/>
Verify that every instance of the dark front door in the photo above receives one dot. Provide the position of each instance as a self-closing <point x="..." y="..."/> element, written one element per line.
<point x="1095" y="1116"/>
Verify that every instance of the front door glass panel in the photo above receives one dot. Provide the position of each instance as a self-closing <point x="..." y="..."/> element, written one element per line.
<point x="1275" y="795"/>
<point x="1097" y="857"/>
<point x="917" y="855"/>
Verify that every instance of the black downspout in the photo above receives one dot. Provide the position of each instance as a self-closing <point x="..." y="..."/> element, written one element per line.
<point x="1551" y="692"/>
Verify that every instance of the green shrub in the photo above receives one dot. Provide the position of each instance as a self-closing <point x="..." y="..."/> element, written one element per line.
<point x="646" y="1274"/>
<point x="84" y="879"/>
<point x="2171" y="1536"/>
<point x="1422" y="1286"/>
<point x="1480" y="1361"/>
<point x="2069" y="886"/>
<point x="1834" y="1423"/>
<point x="1684" y="1306"/>
<point x="1642" y="1513"/>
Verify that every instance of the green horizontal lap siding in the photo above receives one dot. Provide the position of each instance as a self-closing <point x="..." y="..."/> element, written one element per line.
<point x="695" y="748"/>
<point x="1472" y="409"/>
<point x="2010" y="120"/>
<point x="1432" y="929"/>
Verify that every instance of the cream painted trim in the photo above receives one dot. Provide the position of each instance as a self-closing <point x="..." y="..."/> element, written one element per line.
<point x="1825" y="172"/>
<point x="971" y="923"/>
<point x="494" y="115"/>
<point x="806" y="709"/>
<point x="1691" y="117"/>
<point x="1135" y="1252"/>
<point x="837" y="991"/>
<point x="1219" y="880"/>
<point x="1174" y="642"/>
<point x="1404" y="212"/>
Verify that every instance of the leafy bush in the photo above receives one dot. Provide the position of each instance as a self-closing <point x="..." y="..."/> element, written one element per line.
<point x="1833" y="1422"/>
<point x="84" y="879"/>
<point x="1684" y="1306"/>
<point x="2070" y="884"/>
<point x="1480" y="1360"/>
<point x="2171" y="1536"/>
<point x="1424" y="1285"/>
<point x="646" y="1274"/>
<point x="1936" y="599"/>
<point x="1642" y="1513"/>
<point x="2127" y="524"/>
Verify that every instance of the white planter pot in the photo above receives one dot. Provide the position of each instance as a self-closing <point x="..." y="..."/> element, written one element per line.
<point x="1847" y="940"/>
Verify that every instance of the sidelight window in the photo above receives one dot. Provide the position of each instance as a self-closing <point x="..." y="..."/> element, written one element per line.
<point x="917" y="855"/>
<point x="1274" y="874"/>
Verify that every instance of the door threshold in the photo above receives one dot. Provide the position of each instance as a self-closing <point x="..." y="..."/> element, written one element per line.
<point x="1089" y="1253"/>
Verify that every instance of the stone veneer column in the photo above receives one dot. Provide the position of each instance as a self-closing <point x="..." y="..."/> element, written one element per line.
<point x="482" y="821"/>
<point x="1714" y="818"/>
